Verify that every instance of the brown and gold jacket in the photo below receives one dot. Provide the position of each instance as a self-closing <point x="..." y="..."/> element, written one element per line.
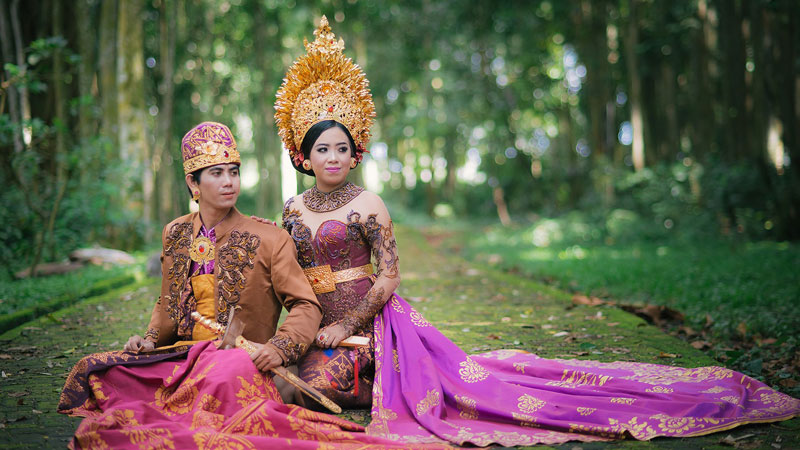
<point x="255" y="269"/>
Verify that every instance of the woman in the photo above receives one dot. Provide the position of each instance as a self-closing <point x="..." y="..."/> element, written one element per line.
<point x="424" y="388"/>
<point x="174" y="388"/>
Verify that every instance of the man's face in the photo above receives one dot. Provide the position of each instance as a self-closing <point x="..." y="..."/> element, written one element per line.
<point x="219" y="186"/>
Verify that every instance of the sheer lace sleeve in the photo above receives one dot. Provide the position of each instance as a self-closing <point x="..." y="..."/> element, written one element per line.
<point x="379" y="233"/>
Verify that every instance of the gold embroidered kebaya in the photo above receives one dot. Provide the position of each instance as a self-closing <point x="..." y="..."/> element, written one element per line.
<point x="323" y="85"/>
<point x="319" y="201"/>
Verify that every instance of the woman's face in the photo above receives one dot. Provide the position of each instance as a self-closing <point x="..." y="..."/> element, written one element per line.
<point x="218" y="187"/>
<point x="330" y="158"/>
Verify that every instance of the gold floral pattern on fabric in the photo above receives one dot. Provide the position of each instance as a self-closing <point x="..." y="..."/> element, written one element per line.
<point x="430" y="401"/>
<point x="206" y="419"/>
<point x="584" y="411"/>
<point x="467" y="407"/>
<point x="520" y="366"/>
<point x="97" y="387"/>
<point x="472" y="372"/>
<point x="179" y="399"/>
<point x="524" y="419"/>
<point x="418" y="320"/>
<point x="623" y="400"/>
<point x="396" y="305"/>
<point x="641" y="431"/>
<point x="715" y="390"/>
<point x="318" y="201"/>
<point x="207" y="440"/>
<point x="597" y="430"/>
<point x="253" y="421"/>
<point x="659" y="390"/>
<point x="235" y="257"/>
<point x="293" y="351"/>
<point x="529" y="404"/>
<point x="250" y="392"/>
<point x="503" y="353"/>
<point x="656" y="374"/>
<point x="144" y="438"/>
<point x="577" y="378"/>
<point x="176" y="246"/>
<point x="395" y="361"/>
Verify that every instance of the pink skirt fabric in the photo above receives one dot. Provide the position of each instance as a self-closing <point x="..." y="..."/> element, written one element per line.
<point x="210" y="399"/>
<point x="427" y="390"/>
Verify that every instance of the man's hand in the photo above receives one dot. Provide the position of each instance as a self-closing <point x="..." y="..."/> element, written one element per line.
<point x="266" y="357"/>
<point x="263" y="220"/>
<point x="331" y="336"/>
<point x="139" y="344"/>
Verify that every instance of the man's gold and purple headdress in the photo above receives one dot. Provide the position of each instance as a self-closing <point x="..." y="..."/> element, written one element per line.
<point x="323" y="85"/>
<point x="208" y="144"/>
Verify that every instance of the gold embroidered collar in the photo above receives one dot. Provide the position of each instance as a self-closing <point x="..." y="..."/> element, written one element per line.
<point x="318" y="201"/>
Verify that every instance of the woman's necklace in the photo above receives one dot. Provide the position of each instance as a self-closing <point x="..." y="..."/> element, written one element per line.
<point x="202" y="250"/>
<point x="318" y="201"/>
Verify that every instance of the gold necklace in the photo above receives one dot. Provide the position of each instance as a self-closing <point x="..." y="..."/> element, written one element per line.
<point x="202" y="249"/>
<point x="319" y="201"/>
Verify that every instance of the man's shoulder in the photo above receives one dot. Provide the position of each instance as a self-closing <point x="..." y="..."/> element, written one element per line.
<point x="267" y="232"/>
<point x="180" y="221"/>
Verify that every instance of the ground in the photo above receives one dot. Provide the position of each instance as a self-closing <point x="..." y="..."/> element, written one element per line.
<point x="478" y="308"/>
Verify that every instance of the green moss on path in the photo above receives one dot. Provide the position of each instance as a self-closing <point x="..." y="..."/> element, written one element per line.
<point x="477" y="308"/>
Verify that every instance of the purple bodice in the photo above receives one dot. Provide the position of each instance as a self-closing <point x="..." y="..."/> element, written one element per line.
<point x="341" y="246"/>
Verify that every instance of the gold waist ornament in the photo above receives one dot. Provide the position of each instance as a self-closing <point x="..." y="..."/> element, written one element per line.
<point x="323" y="279"/>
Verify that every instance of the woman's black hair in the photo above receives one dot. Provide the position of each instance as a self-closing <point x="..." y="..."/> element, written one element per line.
<point x="313" y="134"/>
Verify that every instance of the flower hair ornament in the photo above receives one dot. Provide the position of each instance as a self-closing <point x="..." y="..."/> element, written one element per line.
<point x="323" y="85"/>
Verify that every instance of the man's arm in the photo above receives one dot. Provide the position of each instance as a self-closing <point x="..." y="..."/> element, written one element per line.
<point x="292" y="289"/>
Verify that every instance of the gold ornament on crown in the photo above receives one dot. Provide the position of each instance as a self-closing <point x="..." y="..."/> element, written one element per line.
<point x="323" y="85"/>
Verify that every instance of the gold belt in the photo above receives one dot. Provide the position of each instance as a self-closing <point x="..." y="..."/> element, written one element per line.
<point x="323" y="279"/>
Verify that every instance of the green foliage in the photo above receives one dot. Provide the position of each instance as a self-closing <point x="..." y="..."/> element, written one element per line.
<point x="731" y="282"/>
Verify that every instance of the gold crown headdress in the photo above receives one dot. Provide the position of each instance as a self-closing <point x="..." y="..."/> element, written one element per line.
<point x="323" y="85"/>
<point x="208" y="144"/>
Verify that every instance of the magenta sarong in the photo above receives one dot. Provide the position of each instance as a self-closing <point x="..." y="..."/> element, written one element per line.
<point x="428" y="390"/>
<point x="211" y="399"/>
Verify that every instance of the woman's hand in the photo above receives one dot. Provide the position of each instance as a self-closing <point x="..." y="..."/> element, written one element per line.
<point x="263" y="220"/>
<point x="138" y="344"/>
<point x="331" y="336"/>
<point x="266" y="357"/>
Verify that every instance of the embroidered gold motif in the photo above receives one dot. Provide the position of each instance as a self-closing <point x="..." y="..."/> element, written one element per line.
<point x="219" y="441"/>
<point x="676" y="425"/>
<point x="623" y="400"/>
<point x="289" y="348"/>
<point x="395" y="361"/>
<point x="431" y="400"/>
<point x="466" y="407"/>
<point x="144" y="438"/>
<point x="714" y="390"/>
<point x="206" y="419"/>
<point x="585" y="411"/>
<point x="472" y="372"/>
<point x="520" y="366"/>
<point x="235" y="257"/>
<point x="659" y="390"/>
<point x="639" y="430"/>
<point x="576" y="378"/>
<point x="529" y="404"/>
<point x="202" y="250"/>
<point x="396" y="305"/>
<point x="524" y="420"/>
<point x="250" y="393"/>
<point x="318" y="201"/>
<point x="418" y="320"/>
<point x="177" y="241"/>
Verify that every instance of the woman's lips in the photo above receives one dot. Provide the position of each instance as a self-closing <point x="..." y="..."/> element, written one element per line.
<point x="333" y="169"/>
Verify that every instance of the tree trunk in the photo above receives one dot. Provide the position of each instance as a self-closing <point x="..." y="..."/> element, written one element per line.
<point x="24" y="97"/>
<point x="6" y="41"/>
<point x="703" y="123"/>
<point x="163" y="159"/>
<point x="635" y="94"/>
<point x="107" y="62"/>
<point x="734" y="89"/>
<point x="133" y="148"/>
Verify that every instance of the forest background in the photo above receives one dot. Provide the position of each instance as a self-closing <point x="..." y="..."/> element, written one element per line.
<point x="581" y="130"/>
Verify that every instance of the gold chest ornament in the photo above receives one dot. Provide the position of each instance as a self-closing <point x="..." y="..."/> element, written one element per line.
<point x="202" y="250"/>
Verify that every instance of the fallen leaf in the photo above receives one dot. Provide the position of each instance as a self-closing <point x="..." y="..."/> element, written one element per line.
<point x="505" y="319"/>
<point x="36" y="411"/>
<point x="493" y="336"/>
<point x="548" y="326"/>
<point x="584" y="300"/>
<point x="612" y="324"/>
<point x="5" y="356"/>
<point x="709" y="321"/>
<point x="700" y="345"/>
<point x="742" y="329"/>
<point x="561" y="333"/>
<point x="18" y="394"/>
<point x="580" y="353"/>
<point x="667" y="355"/>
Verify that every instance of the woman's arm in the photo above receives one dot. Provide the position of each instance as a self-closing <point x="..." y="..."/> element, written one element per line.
<point x="380" y="235"/>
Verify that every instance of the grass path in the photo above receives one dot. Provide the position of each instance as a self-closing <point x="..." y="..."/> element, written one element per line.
<point x="479" y="309"/>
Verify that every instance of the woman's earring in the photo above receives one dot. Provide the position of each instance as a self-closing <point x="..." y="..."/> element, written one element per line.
<point x="196" y="195"/>
<point x="353" y="163"/>
<point x="307" y="164"/>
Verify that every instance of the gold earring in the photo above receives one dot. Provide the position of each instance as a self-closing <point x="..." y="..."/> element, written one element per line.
<point x="353" y="163"/>
<point x="196" y="195"/>
<point x="307" y="164"/>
